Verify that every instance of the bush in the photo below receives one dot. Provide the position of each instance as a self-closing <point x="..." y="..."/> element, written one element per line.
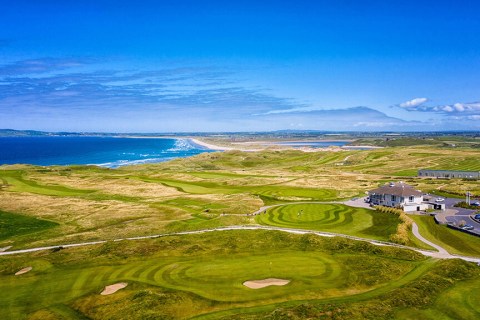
<point x="463" y="204"/>
<point x="401" y="236"/>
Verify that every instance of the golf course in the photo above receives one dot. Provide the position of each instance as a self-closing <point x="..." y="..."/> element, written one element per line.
<point x="176" y="240"/>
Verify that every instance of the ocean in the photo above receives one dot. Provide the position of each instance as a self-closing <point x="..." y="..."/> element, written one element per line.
<point x="109" y="152"/>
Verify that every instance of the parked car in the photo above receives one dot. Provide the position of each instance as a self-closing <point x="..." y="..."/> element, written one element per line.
<point x="439" y="200"/>
<point x="477" y="204"/>
<point x="477" y="216"/>
<point x="467" y="227"/>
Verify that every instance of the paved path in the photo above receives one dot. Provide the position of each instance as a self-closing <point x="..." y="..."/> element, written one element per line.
<point x="440" y="254"/>
<point x="417" y="234"/>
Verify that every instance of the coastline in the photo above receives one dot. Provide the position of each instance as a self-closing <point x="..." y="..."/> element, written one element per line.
<point x="271" y="145"/>
<point x="207" y="145"/>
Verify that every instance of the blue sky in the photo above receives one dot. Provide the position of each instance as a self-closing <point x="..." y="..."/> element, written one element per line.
<point x="170" y="66"/>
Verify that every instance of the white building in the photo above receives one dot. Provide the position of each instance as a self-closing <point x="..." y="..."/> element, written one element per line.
<point x="399" y="195"/>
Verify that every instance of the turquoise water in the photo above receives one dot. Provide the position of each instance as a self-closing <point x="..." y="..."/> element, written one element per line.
<point x="102" y="151"/>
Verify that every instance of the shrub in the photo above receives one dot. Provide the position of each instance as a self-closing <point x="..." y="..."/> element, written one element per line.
<point x="401" y="236"/>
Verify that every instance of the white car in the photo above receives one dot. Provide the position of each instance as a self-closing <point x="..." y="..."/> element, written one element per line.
<point x="439" y="200"/>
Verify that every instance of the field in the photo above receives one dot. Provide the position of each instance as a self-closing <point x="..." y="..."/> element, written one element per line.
<point x="201" y="275"/>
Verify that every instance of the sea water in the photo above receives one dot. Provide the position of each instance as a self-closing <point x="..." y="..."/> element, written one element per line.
<point x="101" y="151"/>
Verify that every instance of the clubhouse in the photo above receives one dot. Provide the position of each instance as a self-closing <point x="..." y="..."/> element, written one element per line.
<point x="402" y="196"/>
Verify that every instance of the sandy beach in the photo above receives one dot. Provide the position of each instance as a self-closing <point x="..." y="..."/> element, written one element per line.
<point x="209" y="145"/>
<point x="272" y="145"/>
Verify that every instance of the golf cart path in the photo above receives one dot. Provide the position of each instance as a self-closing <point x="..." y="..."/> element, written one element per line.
<point x="417" y="234"/>
<point x="440" y="254"/>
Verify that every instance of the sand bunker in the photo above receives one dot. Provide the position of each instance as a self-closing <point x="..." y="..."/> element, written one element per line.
<point x="258" y="284"/>
<point x="22" y="271"/>
<point x="113" y="288"/>
<point x="5" y="248"/>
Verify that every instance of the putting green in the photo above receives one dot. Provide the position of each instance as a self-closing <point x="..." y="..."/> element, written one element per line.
<point x="337" y="218"/>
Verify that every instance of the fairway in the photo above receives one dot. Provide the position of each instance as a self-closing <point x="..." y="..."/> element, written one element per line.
<point x="336" y="218"/>
<point x="17" y="182"/>
<point x="272" y="191"/>
<point x="15" y="225"/>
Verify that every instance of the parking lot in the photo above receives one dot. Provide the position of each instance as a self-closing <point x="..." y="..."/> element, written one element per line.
<point x="459" y="216"/>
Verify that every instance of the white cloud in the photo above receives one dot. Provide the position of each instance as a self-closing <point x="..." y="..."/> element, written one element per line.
<point x="465" y="111"/>
<point x="473" y="107"/>
<point x="413" y="103"/>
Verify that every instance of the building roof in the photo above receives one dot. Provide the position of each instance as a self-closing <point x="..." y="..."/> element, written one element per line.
<point x="453" y="171"/>
<point x="397" y="189"/>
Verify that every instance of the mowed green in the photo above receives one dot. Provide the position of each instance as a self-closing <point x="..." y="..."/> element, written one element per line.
<point x="453" y="241"/>
<point x="17" y="182"/>
<point x="336" y="218"/>
<point x="271" y="191"/>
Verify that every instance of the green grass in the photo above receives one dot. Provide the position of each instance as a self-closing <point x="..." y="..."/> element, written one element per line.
<point x="463" y="164"/>
<point x="459" y="302"/>
<point x="272" y="191"/>
<point x="12" y="224"/>
<point x="212" y="267"/>
<point x="17" y="182"/>
<point x="335" y="218"/>
<point x="453" y="241"/>
<point x="406" y="173"/>
<point x="202" y="275"/>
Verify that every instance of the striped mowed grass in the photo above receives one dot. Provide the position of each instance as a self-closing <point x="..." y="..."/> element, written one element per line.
<point x="219" y="278"/>
<point x="336" y="218"/>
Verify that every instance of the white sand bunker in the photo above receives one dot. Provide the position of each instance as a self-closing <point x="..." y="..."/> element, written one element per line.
<point x="22" y="271"/>
<point x="113" y="288"/>
<point x="5" y="248"/>
<point x="258" y="284"/>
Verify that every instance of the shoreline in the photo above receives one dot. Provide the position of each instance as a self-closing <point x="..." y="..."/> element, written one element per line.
<point x="207" y="145"/>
